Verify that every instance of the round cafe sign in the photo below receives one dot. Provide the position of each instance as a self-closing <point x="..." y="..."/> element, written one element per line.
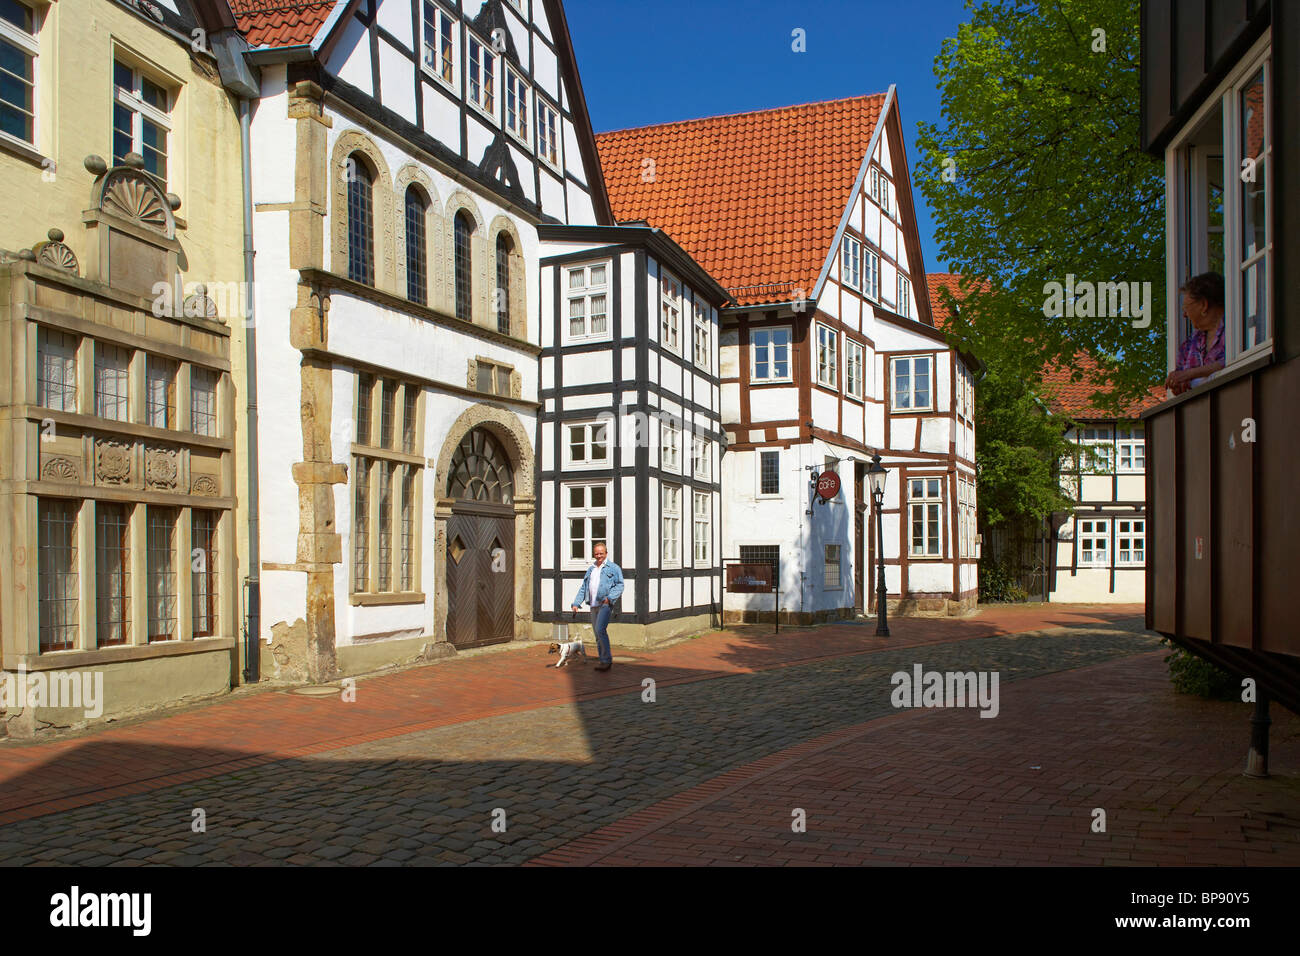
<point x="828" y="485"/>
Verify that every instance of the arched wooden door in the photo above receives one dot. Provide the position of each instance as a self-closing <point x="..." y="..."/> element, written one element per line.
<point x="480" y="543"/>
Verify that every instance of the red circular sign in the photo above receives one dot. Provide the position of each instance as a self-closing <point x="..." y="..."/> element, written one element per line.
<point x="828" y="485"/>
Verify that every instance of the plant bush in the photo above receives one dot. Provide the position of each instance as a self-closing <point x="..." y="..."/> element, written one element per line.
<point x="1195" y="675"/>
<point x="998" y="584"/>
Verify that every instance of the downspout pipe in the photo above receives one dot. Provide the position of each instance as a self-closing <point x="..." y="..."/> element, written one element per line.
<point x="243" y="82"/>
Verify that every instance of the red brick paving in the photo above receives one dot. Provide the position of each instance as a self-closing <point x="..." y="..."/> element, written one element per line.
<point x="48" y="776"/>
<point x="946" y="786"/>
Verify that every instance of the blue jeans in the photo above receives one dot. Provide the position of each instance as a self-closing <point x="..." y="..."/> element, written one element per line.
<point x="599" y="623"/>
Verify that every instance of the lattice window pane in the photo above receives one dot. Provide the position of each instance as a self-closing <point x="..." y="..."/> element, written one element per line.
<point x="417" y="286"/>
<point x="112" y="375"/>
<point x="361" y="227"/>
<point x="361" y="525"/>
<point x="56" y="370"/>
<point x="58" y="579"/>
<point x="203" y="572"/>
<point x="161" y="559"/>
<point x="112" y="574"/>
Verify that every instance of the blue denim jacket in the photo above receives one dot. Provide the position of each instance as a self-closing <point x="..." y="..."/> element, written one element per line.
<point x="610" y="586"/>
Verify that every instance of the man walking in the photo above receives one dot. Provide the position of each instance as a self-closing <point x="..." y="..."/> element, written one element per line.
<point x="602" y="586"/>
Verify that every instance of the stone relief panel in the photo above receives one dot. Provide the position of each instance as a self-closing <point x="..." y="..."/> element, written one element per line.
<point x="112" y="462"/>
<point x="59" y="468"/>
<point x="161" y="468"/>
<point x="205" y="485"/>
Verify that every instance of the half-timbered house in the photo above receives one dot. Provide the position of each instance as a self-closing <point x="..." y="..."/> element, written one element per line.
<point x="405" y="152"/>
<point x="828" y="355"/>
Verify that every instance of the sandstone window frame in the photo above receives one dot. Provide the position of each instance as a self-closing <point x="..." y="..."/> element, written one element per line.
<point x="56" y="369"/>
<point x="26" y="40"/>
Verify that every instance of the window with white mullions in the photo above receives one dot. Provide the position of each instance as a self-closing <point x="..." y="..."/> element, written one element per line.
<point x="670" y="458"/>
<point x="1130" y="441"/>
<point x="904" y="296"/>
<point x="854" y="362"/>
<point x="439" y="43"/>
<point x="703" y="336"/>
<point x="587" y="296"/>
<point x="670" y="312"/>
<point x="701" y="528"/>
<point x="1094" y="543"/>
<point x="1130" y="541"/>
<point x="912" y="383"/>
<point x="828" y="341"/>
<point x="19" y="50"/>
<point x="1097" y="450"/>
<point x="548" y="132"/>
<point x="517" y="95"/>
<point x="588" y="444"/>
<point x="700" y="457"/>
<point x="141" y="119"/>
<point x="481" y="75"/>
<point x="671" y="515"/>
<point x="872" y="287"/>
<point x="851" y="262"/>
<point x="925" y="513"/>
<point x="586" y="514"/>
<point x="770" y="361"/>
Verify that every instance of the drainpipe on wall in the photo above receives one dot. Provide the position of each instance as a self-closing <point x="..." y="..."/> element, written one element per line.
<point x="242" y="81"/>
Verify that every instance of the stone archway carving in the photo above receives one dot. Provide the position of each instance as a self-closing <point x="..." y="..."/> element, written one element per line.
<point x="506" y="427"/>
<point x="349" y="142"/>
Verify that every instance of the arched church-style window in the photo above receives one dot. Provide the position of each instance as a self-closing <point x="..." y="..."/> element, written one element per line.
<point x="417" y="283"/>
<point x="361" y="228"/>
<point x="480" y="470"/>
<point x="464" y="289"/>
<point x="502" y="298"/>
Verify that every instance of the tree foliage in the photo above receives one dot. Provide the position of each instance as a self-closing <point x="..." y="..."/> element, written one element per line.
<point x="1039" y="138"/>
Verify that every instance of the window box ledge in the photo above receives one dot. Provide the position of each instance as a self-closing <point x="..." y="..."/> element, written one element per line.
<point x="386" y="597"/>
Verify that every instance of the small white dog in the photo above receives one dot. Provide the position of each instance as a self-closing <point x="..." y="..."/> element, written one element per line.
<point x="568" y="652"/>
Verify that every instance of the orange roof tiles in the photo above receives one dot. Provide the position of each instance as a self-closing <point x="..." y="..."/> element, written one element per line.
<point x="755" y="198"/>
<point x="938" y="308"/>
<point x="276" y="23"/>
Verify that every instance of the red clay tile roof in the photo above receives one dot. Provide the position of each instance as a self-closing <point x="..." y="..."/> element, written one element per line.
<point x="1066" y="397"/>
<point x="276" y="23"/>
<point x="938" y="308"/>
<point x="755" y="198"/>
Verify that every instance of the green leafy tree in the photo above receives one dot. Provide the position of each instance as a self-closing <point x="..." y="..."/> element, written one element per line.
<point x="1034" y="173"/>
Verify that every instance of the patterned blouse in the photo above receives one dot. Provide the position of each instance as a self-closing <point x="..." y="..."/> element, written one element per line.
<point x="1201" y="348"/>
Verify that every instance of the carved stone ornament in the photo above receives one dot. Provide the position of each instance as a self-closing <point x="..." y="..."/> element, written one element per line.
<point x="160" y="468"/>
<point x="60" y="469"/>
<point x="57" y="255"/>
<point x="204" y="485"/>
<point x="133" y="195"/>
<point x="112" y="462"/>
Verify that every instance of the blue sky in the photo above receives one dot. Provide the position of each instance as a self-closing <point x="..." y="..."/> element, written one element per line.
<point x="650" y="62"/>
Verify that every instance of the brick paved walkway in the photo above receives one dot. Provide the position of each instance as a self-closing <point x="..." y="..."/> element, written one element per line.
<point x="743" y="729"/>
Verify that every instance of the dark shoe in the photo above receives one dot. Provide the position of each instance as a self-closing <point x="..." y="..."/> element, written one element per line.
<point x="603" y="666"/>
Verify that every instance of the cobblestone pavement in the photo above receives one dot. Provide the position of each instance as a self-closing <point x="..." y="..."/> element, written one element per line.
<point x="571" y="774"/>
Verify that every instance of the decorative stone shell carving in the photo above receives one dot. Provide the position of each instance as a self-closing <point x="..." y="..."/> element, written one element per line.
<point x="112" y="462"/>
<point x="161" y="468"/>
<point x="60" y="469"/>
<point x="204" y="485"/>
<point x="132" y="194"/>
<point x="57" y="255"/>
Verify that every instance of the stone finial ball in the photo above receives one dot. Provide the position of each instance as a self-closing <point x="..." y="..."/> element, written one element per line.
<point x="56" y="235"/>
<point x="95" y="165"/>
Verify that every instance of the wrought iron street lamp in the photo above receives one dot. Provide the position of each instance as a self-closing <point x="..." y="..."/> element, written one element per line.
<point x="876" y="475"/>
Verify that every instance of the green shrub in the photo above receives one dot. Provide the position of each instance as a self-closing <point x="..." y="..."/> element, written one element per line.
<point x="1195" y="675"/>
<point x="999" y="584"/>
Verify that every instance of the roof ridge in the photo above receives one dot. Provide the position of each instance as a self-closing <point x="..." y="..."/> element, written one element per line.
<point x="769" y="109"/>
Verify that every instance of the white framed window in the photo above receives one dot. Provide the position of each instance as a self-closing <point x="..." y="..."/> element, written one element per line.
<point x="587" y="296"/>
<point x="112" y="382"/>
<point x="831" y="576"/>
<point x="587" y="444"/>
<point x="700" y="457"/>
<point x="912" y="383"/>
<point x="851" y="262"/>
<point x="1094" y="543"/>
<point x="770" y="361"/>
<point x="481" y="74"/>
<point x="874" y="180"/>
<point x="828" y="343"/>
<point x="1130" y="541"/>
<point x="1220" y="217"/>
<point x="548" y="132"/>
<point x="904" y="296"/>
<point x="670" y="312"/>
<point x="56" y="369"/>
<point x="517" y="96"/>
<point x="854" y="361"/>
<point x="586" y="516"/>
<point x="1097" y="450"/>
<point x="1130" y="443"/>
<point x="703" y="336"/>
<point x="19" y="50"/>
<point x="925" y="517"/>
<point x="670" y="434"/>
<point x="141" y="118"/>
<point x="203" y="401"/>
<point x="439" y="56"/>
<point x="769" y="473"/>
<point x="671" y="524"/>
<point x="966" y="517"/>
<point x="701" y="528"/>
<point x="872" y="287"/>
<point x="884" y="196"/>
